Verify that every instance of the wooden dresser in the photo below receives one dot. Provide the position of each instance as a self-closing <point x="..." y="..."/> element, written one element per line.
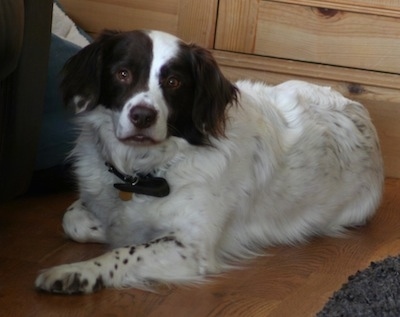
<point x="353" y="46"/>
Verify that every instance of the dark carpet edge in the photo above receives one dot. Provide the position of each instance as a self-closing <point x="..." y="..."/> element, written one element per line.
<point x="374" y="291"/>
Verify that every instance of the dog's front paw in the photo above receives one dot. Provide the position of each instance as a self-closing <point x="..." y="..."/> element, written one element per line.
<point x="69" y="279"/>
<point x="81" y="225"/>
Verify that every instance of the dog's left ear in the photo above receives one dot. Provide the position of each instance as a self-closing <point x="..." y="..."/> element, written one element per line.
<point x="213" y="93"/>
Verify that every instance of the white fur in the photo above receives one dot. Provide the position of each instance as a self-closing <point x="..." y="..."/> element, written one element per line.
<point x="292" y="165"/>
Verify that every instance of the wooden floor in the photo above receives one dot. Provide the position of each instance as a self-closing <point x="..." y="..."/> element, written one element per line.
<point x="291" y="281"/>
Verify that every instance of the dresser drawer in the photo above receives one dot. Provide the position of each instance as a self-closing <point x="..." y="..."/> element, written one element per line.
<point x="332" y="36"/>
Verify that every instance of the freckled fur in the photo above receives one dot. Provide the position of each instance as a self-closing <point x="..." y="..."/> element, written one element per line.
<point x="270" y="165"/>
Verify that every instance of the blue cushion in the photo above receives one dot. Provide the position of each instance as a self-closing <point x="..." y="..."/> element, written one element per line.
<point x="57" y="133"/>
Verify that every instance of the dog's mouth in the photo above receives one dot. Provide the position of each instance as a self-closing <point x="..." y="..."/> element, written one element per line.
<point x="140" y="139"/>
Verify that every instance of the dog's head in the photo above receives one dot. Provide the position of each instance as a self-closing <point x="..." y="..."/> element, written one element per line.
<point x="155" y="85"/>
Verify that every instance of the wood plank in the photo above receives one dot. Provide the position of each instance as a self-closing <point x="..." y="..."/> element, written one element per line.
<point x="191" y="21"/>
<point x="310" y="70"/>
<point x="378" y="92"/>
<point x="328" y="36"/>
<point x="95" y="15"/>
<point x="311" y="34"/>
<point x="237" y="25"/>
<point x="390" y="8"/>
<point x="197" y="21"/>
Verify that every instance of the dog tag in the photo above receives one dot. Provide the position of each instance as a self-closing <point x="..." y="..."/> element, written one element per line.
<point x="125" y="196"/>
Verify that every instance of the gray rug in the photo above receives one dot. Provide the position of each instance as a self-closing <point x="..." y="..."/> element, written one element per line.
<point x="374" y="291"/>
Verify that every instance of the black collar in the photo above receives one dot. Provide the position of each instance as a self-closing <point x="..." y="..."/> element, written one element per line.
<point x="140" y="184"/>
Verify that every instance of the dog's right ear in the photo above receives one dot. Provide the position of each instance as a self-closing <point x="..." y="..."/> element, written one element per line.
<point x="80" y="83"/>
<point x="81" y="76"/>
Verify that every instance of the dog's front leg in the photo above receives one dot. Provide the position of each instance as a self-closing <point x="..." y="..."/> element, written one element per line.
<point x="81" y="225"/>
<point x="166" y="259"/>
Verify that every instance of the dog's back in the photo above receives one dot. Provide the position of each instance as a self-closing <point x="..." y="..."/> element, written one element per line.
<point x="316" y="165"/>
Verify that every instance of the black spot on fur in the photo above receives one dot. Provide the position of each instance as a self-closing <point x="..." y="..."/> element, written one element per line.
<point x="57" y="286"/>
<point x="111" y="274"/>
<point x="97" y="264"/>
<point x="116" y="266"/>
<point x="99" y="284"/>
<point x="139" y="258"/>
<point x="125" y="261"/>
<point x="179" y="244"/>
<point x="85" y="283"/>
<point x="76" y="285"/>
<point x="168" y="238"/>
<point x="132" y="250"/>
<point x="94" y="228"/>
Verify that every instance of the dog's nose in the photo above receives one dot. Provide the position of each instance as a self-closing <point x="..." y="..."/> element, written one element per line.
<point x="142" y="117"/>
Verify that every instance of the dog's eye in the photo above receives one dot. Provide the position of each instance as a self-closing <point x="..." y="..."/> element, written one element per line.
<point x="124" y="75"/>
<point x="173" y="82"/>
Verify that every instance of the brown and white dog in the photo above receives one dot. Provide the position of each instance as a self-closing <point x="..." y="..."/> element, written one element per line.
<point x="221" y="170"/>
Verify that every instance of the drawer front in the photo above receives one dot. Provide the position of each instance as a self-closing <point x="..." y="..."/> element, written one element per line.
<point x="311" y="34"/>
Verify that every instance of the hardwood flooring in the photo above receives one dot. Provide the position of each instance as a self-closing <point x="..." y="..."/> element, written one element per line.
<point x="290" y="281"/>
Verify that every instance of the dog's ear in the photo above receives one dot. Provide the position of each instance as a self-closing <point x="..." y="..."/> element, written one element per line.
<point x="213" y="93"/>
<point x="81" y="76"/>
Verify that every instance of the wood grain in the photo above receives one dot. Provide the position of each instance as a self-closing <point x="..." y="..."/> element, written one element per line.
<point x="190" y="20"/>
<point x="197" y="20"/>
<point x="96" y="15"/>
<point x="291" y="281"/>
<point x="389" y="8"/>
<point x="311" y="34"/>
<point x="237" y="25"/>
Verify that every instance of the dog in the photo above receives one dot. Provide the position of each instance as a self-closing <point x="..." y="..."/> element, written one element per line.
<point x="218" y="170"/>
